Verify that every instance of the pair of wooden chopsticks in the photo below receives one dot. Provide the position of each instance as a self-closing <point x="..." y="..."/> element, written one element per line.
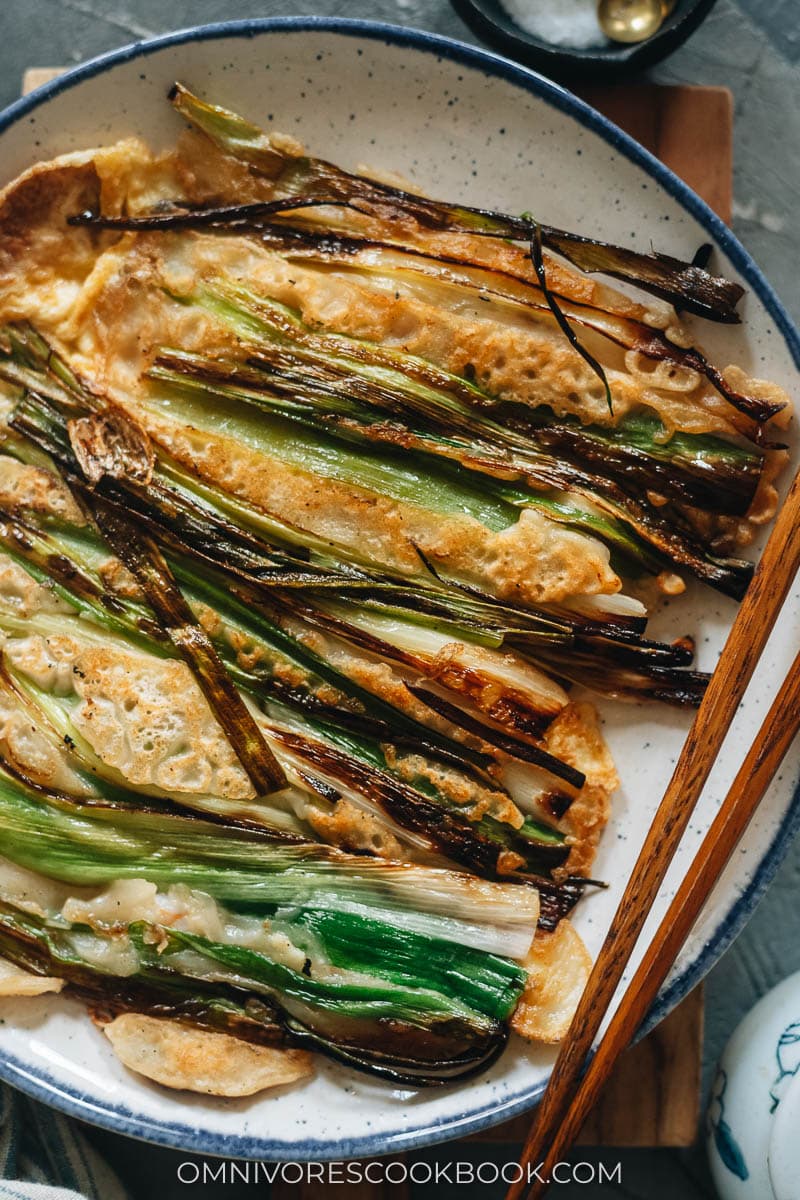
<point x="567" y="1100"/>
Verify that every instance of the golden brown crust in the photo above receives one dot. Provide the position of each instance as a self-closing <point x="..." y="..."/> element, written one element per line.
<point x="40" y="759"/>
<point x="532" y="562"/>
<point x="14" y="982"/>
<point x="150" y="721"/>
<point x="350" y="827"/>
<point x="22" y="595"/>
<point x="42" y="264"/>
<point x="207" y="175"/>
<point x="558" y="966"/>
<point x="195" y="1060"/>
<point x="27" y="487"/>
<point x="575" y="737"/>
<point x="145" y="717"/>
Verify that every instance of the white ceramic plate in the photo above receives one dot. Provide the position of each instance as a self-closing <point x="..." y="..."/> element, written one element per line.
<point x="463" y="124"/>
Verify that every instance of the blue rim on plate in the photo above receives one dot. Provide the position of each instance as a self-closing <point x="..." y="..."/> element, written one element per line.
<point x="120" y="1118"/>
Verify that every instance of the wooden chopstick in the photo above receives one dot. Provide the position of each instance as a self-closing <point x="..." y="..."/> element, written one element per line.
<point x="754" y="777"/>
<point x="773" y="577"/>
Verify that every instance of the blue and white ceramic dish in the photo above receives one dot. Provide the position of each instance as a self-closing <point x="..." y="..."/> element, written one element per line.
<point x="461" y="123"/>
<point x="754" y="1111"/>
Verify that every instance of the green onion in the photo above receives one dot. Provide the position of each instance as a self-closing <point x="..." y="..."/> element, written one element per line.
<point x="334" y="384"/>
<point x="203" y="515"/>
<point x="302" y="178"/>
<point x="381" y="1024"/>
<point x="95" y="846"/>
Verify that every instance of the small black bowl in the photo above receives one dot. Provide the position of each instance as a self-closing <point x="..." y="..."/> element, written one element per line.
<point x="607" y="64"/>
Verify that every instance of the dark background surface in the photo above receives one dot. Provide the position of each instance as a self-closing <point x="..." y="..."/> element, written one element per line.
<point x="751" y="46"/>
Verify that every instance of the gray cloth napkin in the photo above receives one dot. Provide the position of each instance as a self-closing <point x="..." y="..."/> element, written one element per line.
<point x="44" y="1156"/>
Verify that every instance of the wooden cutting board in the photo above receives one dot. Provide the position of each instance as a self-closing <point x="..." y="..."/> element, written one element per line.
<point x="653" y="1097"/>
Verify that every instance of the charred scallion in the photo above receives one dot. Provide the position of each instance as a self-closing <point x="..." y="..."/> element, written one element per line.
<point x="297" y="177"/>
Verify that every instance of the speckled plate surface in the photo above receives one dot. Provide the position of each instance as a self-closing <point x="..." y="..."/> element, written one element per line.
<point x="461" y="123"/>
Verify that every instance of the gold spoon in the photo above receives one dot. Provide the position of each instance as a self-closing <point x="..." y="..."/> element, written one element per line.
<point x="632" y="20"/>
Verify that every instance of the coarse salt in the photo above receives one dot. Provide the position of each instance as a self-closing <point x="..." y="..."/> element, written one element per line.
<point x="563" y="22"/>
